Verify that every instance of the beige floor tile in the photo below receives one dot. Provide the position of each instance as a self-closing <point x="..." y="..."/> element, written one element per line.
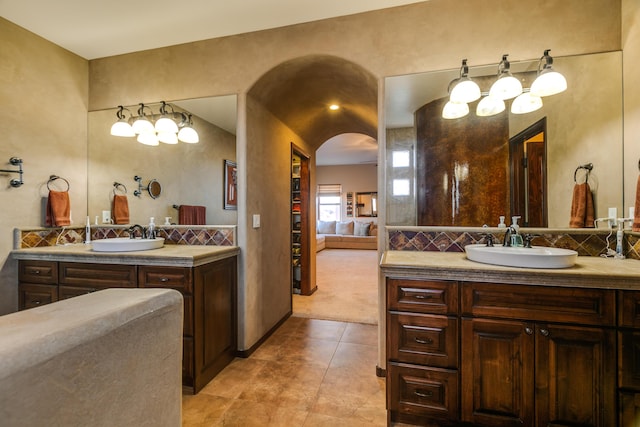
<point x="321" y="420"/>
<point x="235" y="378"/>
<point x="359" y="333"/>
<point x="256" y="414"/>
<point x="321" y="329"/>
<point x="203" y="410"/>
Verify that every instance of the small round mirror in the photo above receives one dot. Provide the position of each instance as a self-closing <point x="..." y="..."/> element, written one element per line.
<point x="154" y="189"/>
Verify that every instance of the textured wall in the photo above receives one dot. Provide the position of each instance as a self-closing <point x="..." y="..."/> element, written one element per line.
<point x="353" y="178"/>
<point x="631" y="78"/>
<point x="44" y="93"/>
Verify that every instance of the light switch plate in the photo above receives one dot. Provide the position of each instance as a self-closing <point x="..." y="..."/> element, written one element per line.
<point x="106" y="217"/>
<point x="256" y="221"/>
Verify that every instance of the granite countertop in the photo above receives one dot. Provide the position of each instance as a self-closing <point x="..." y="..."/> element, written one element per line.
<point x="595" y="272"/>
<point x="168" y="255"/>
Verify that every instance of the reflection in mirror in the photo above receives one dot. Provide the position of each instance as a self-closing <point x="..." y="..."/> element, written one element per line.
<point x="583" y="125"/>
<point x="367" y="204"/>
<point x="191" y="174"/>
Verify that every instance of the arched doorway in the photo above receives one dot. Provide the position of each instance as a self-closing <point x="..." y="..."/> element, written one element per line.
<point x="290" y="104"/>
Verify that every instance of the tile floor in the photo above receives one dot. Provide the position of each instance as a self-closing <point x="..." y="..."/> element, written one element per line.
<point x="308" y="373"/>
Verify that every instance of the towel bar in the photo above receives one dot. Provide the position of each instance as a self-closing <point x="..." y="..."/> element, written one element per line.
<point x="53" y="178"/>
<point x="15" y="161"/>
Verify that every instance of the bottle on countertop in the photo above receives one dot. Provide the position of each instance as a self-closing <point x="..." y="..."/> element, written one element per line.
<point x="502" y="224"/>
<point x="151" y="230"/>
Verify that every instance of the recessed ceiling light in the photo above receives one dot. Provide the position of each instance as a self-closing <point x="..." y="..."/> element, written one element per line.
<point x="334" y="107"/>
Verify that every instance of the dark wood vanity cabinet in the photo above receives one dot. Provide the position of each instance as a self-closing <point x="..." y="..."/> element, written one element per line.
<point x="629" y="357"/>
<point x="209" y="294"/>
<point x="528" y="355"/>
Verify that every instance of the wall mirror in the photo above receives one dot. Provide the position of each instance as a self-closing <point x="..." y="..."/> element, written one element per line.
<point x="583" y="125"/>
<point x="191" y="174"/>
<point x="367" y="204"/>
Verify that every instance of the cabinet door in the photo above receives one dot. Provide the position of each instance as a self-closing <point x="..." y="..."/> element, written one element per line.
<point x="497" y="372"/>
<point x="575" y="376"/>
<point x="629" y="359"/>
<point x="629" y="409"/>
<point x="34" y="295"/>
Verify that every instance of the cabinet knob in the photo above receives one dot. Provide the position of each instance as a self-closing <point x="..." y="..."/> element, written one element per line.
<point x="528" y="330"/>
<point x="36" y="271"/>
<point x="421" y="341"/>
<point x="544" y="332"/>
<point x="422" y="296"/>
<point x="164" y="279"/>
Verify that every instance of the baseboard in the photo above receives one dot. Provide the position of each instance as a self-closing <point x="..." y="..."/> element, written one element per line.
<point x="246" y="353"/>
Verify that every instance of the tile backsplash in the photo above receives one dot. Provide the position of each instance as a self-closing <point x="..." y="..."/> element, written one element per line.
<point x="587" y="242"/>
<point x="177" y="235"/>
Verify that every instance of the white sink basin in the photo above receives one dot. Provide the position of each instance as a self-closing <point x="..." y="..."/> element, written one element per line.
<point x="534" y="257"/>
<point x="125" y="244"/>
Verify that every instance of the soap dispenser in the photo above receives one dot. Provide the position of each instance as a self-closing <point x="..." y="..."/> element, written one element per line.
<point x="514" y="223"/>
<point x="151" y="231"/>
<point x="502" y="224"/>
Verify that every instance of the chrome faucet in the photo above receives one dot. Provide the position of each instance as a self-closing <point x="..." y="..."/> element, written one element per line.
<point x="132" y="229"/>
<point x="511" y="231"/>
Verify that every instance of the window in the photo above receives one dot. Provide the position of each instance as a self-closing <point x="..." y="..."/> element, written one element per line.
<point x="329" y="202"/>
<point x="401" y="159"/>
<point x="401" y="187"/>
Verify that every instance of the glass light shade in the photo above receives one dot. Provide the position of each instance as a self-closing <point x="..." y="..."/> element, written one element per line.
<point x="168" y="137"/>
<point x="454" y="110"/>
<point x="489" y="106"/>
<point x="464" y="91"/>
<point x="142" y="125"/>
<point x="122" y="128"/>
<point x="526" y="103"/>
<point x="148" y="138"/>
<point x="548" y="83"/>
<point x="506" y="87"/>
<point x="165" y="124"/>
<point x="189" y="135"/>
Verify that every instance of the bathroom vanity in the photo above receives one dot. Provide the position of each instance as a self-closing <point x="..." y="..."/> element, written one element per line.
<point x="205" y="275"/>
<point x="503" y="346"/>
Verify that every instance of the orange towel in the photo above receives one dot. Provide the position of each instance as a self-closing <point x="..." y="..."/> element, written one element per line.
<point x="636" y="215"/>
<point x="58" y="209"/>
<point x="120" y="209"/>
<point x="582" y="208"/>
<point x="192" y="215"/>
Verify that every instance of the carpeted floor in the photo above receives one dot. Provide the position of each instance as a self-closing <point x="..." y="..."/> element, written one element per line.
<point x="347" y="282"/>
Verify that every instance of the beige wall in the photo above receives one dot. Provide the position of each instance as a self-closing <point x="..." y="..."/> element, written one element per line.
<point x="353" y="178"/>
<point x="44" y="93"/>
<point x="631" y="79"/>
<point x="390" y="42"/>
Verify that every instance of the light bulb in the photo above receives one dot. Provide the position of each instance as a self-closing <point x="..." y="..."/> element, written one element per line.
<point x="453" y="110"/>
<point x="526" y="103"/>
<point x="122" y="128"/>
<point x="548" y="83"/>
<point x="465" y="91"/>
<point x="165" y="124"/>
<point x="489" y="106"/>
<point x="148" y="138"/>
<point x="189" y="135"/>
<point x="142" y="125"/>
<point x="168" y="137"/>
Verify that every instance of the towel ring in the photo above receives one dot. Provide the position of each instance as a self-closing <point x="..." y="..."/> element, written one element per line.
<point x="53" y="178"/>
<point x="588" y="167"/>
<point x="119" y="187"/>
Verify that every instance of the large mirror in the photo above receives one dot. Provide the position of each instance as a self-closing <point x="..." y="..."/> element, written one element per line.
<point x="583" y="126"/>
<point x="367" y="204"/>
<point x="190" y="174"/>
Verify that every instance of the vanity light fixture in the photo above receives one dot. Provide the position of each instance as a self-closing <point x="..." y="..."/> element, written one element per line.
<point x="526" y="103"/>
<point x="167" y="127"/>
<point x="455" y="110"/>
<point x="549" y="82"/>
<point x="463" y="89"/>
<point x="489" y="106"/>
<point x="122" y="127"/>
<point x="507" y="86"/>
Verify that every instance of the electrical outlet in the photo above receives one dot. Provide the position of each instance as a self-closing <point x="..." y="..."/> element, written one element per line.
<point x="106" y="217"/>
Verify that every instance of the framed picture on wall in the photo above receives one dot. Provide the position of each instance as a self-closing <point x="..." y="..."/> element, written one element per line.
<point x="230" y="185"/>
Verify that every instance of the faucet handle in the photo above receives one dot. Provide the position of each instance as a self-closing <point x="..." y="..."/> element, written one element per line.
<point x="528" y="238"/>
<point x="489" y="239"/>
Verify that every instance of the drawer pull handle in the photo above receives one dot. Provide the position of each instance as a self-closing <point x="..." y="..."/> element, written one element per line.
<point x="36" y="271"/>
<point x="164" y="279"/>
<point x="422" y="296"/>
<point x="528" y="330"/>
<point x="36" y="302"/>
<point x="421" y="341"/>
<point x="544" y="332"/>
<point x="420" y="393"/>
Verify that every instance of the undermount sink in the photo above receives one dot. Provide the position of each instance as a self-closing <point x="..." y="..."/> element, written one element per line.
<point x="125" y="244"/>
<point x="534" y="257"/>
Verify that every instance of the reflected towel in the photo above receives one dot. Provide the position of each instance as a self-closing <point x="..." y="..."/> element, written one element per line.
<point x="636" y="214"/>
<point x="120" y="209"/>
<point x="58" y="209"/>
<point x="192" y="215"/>
<point x="582" y="209"/>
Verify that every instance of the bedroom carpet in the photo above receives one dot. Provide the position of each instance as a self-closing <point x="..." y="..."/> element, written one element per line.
<point x="347" y="281"/>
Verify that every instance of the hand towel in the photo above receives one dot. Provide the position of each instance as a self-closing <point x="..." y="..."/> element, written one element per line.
<point x="120" y="209"/>
<point x="636" y="213"/>
<point x="582" y="208"/>
<point x="192" y="215"/>
<point x="58" y="209"/>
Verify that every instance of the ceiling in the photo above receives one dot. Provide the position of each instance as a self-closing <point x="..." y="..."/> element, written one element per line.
<point x="96" y="29"/>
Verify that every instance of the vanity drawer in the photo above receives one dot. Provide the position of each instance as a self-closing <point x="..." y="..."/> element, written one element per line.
<point x="629" y="309"/>
<point x="30" y="295"/>
<point x="99" y="276"/>
<point x="423" y="339"/>
<point x="540" y="303"/>
<point x="178" y="278"/>
<point x="629" y="359"/>
<point x="65" y="292"/>
<point x="43" y="272"/>
<point x="422" y="296"/>
<point x="422" y="392"/>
